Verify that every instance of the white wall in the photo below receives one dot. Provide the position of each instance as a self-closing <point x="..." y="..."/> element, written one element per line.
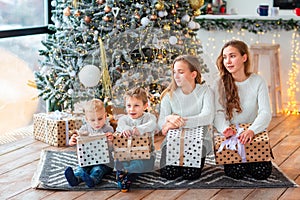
<point x="248" y="7"/>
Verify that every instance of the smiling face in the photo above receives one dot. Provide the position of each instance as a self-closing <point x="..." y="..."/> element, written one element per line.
<point x="234" y="62"/>
<point x="135" y="107"/>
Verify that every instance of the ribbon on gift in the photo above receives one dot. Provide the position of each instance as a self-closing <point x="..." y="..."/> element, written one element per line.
<point x="233" y="142"/>
<point x="127" y="150"/>
<point x="57" y="115"/>
<point x="86" y="139"/>
<point x="181" y="147"/>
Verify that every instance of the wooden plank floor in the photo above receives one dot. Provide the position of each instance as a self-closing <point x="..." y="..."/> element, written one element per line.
<point x="19" y="160"/>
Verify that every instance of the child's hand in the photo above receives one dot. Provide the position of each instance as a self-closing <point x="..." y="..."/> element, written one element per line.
<point x="109" y="136"/>
<point x="73" y="139"/>
<point x="228" y="132"/>
<point x="126" y="133"/>
<point x="135" y="132"/>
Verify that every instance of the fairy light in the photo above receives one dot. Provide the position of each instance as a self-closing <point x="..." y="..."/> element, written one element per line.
<point x="293" y="73"/>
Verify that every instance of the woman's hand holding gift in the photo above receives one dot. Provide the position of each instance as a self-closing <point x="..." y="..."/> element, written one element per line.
<point x="228" y="132"/>
<point x="176" y="120"/>
<point x="246" y="137"/>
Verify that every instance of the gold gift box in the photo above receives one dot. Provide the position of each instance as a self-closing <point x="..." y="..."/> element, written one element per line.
<point x="132" y="148"/>
<point x="256" y="151"/>
<point x="55" y="132"/>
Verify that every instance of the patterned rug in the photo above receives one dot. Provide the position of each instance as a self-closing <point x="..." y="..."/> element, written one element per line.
<point x="50" y="175"/>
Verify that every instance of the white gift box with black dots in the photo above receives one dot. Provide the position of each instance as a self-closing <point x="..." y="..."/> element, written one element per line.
<point x="184" y="147"/>
<point x="92" y="150"/>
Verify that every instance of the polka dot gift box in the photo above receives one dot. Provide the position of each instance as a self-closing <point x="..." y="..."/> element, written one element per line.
<point x="132" y="148"/>
<point x="184" y="147"/>
<point x="92" y="150"/>
<point x="258" y="150"/>
<point x="55" y="128"/>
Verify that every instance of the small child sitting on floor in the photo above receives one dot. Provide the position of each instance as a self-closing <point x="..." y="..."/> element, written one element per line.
<point x="95" y="116"/>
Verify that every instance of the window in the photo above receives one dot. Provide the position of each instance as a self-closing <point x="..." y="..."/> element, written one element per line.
<point x="286" y="4"/>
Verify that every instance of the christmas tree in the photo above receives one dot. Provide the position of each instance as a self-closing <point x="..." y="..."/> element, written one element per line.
<point x="103" y="48"/>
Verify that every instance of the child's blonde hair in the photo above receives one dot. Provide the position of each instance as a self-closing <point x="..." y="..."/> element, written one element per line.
<point x="93" y="106"/>
<point x="138" y="93"/>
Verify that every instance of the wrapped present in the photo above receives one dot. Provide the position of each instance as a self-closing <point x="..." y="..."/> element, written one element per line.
<point x="132" y="148"/>
<point x="92" y="150"/>
<point x="229" y="151"/>
<point x="55" y="128"/>
<point x="184" y="147"/>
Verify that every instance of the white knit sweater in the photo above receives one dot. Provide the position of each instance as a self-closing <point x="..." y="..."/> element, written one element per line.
<point x="255" y="104"/>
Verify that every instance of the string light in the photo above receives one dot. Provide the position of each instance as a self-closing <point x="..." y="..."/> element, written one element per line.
<point x="293" y="73"/>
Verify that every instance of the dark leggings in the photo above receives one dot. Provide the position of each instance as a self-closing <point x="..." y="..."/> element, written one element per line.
<point x="258" y="170"/>
<point x="172" y="172"/>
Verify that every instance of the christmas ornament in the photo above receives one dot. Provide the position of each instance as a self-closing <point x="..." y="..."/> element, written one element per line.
<point x="105" y="18"/>
<point x="197" y="12"/>
<point x="196" y="4"/>
<point x="87" y="19"/>
<point x="106" y="83"/>
<point x="115" y="11"/>
<point x="167" y="27"/>
<point x="77" y="13"/>
<point x="107" y="9"/>
<point x="173" y="40"/>
<point x="153" y="17"/>
<point x="185" y="18"/>
<point x="159" y="6"/>
<point x="89" y="75"/>
<point x="67" y="11"/>
<point x="173" y="11"/>
<point x="100" y="1"/>
<point x="145" y="21"/>
<point x="161" y="13"/>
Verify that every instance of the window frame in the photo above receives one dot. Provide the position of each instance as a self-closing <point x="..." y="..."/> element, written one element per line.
<point x="31" y="30"/>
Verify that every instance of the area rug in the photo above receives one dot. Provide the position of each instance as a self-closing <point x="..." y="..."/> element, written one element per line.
<point x="50" y="175"/>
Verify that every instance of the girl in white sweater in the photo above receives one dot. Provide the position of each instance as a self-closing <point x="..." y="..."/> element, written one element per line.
<point x="186" y="103"/>
<point x="241" y="97"/>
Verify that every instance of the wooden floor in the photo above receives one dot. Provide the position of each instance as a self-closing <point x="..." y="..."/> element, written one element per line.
<point x="18" y="162"/>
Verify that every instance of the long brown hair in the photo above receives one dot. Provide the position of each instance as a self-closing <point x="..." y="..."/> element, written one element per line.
<point x="193" y="64"/>
<point x="228" y="90"/>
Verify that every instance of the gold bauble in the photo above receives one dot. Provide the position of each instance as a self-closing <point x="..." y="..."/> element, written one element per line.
<point x="197" y="12"/>
<point x="159" y="6"/>
<point x="196" y="4"/>
<point x="167" y="27"/>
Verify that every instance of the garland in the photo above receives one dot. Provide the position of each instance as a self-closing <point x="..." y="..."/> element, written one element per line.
<point x="251" y="25"/>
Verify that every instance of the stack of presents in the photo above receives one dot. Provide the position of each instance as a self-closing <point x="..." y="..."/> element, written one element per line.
<point x="184" y="146"/>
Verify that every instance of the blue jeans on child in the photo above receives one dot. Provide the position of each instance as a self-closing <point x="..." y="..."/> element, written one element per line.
<point x="139" y="166"/>
<point x="96" y="172"/>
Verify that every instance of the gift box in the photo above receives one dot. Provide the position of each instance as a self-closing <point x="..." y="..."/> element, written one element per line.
<point x="55" y="128"/>
<point x="184" y="147"/>
<point x="229" y="151"/>
<point x="92" y="150"/>
<point x="132" y="148"/>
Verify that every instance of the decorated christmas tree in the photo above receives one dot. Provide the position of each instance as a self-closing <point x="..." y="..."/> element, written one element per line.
<point x="101" y="48"/>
